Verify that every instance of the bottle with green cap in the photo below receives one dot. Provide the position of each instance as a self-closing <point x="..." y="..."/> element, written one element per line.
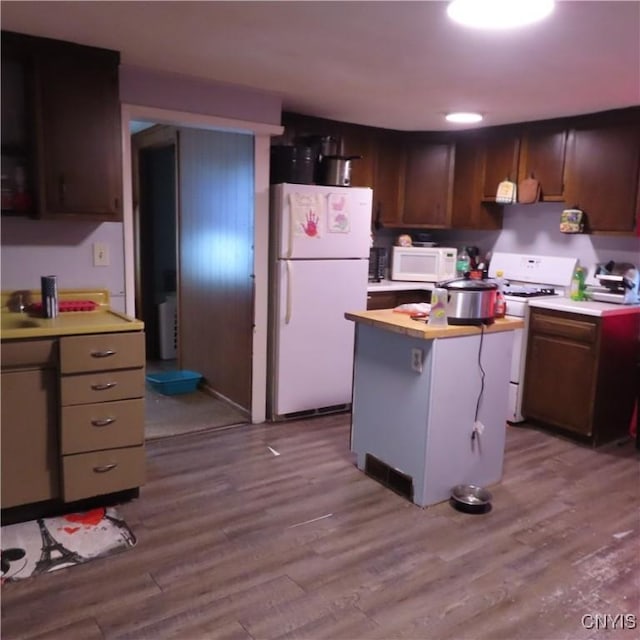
<point x="578" y="286"/>
<point x="463" y="263"/>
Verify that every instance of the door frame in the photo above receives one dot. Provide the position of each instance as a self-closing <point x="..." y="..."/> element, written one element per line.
<point x="262" y="134"/>
<point x="156" y="137"/>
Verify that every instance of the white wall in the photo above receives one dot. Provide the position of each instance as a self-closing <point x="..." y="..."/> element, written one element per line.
<point x="33" y="248"/>
<point x="534" y="229"/>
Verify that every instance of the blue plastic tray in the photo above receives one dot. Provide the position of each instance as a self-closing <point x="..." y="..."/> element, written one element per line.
<point x="171" y="383"/>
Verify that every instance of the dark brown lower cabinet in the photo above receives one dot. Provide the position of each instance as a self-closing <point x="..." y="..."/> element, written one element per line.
<point x="391" y="299"/>
<point x="580" y="373"/>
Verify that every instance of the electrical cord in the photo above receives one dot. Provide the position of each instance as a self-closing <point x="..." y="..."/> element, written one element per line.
<point x="482" y="374"/>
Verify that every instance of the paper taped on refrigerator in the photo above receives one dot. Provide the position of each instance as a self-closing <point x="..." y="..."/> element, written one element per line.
<point x="322" y="222"/>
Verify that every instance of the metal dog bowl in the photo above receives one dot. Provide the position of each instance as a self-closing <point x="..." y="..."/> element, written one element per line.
<point x="470" y="498"/>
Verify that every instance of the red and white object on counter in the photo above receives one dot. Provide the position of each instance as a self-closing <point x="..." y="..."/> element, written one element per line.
<point x="67" y="305"/>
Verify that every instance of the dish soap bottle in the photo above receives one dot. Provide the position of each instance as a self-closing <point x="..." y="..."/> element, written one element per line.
<point x="500" y="309"/>
<point x="578" y="285"/>
<point x="463" y="263"/>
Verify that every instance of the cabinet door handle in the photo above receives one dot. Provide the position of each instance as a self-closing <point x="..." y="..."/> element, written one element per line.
<point x="103" y="354"/>
<point x="103" y="386"/>
<point x="105" y="467"/>
<point x="103" y="422"/>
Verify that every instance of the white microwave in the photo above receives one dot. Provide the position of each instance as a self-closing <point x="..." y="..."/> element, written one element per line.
<point x="423" y="264"/>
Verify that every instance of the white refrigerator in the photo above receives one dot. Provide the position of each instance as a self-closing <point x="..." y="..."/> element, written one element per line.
<point x="319" y="248"/>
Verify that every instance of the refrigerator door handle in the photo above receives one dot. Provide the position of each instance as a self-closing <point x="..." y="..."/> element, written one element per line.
<point x="290" y="247"/>
<point x="289" y="305"/>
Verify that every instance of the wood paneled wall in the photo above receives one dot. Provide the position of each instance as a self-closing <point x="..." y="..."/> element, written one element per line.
<point x="215" y="244"/>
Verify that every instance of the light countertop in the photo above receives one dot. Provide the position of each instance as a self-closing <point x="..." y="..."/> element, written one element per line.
<point x="585" y="307"/>
<point x="401" y="323"/>
<point x="399" y="285"/>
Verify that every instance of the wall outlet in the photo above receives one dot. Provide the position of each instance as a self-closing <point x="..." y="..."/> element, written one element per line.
<point x="100" y="254"/>
<point x="416" y="360"/>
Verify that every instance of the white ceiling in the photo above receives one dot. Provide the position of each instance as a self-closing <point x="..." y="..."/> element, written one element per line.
<point x="399" y="65"/>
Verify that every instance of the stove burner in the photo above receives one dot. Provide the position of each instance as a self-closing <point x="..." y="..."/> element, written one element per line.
<point x="529" y="292"/>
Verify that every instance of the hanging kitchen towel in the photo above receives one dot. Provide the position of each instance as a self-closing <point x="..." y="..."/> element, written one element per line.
<point x="528" y="190"/>
<point x="339" y="218"/>
<point x="507" y="192"/>
<point x="307" y="214"/>
<point x="572" y="221"/>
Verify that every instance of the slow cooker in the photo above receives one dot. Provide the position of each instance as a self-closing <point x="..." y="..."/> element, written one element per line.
<point x="470" y="301"/>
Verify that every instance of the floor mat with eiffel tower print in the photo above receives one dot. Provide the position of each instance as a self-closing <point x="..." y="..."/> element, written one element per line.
<point x="47" y="544"/>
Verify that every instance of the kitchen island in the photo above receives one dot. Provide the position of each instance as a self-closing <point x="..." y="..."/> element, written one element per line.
<point x="429" y="403"/>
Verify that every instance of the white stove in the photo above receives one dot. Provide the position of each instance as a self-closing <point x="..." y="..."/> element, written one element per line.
<point x="527" y="276"/>
<point x="517" y="296"/>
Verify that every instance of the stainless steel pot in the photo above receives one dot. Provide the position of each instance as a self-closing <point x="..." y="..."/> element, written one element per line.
<point x="335" y="171"/>
<point x="470" y="301"/>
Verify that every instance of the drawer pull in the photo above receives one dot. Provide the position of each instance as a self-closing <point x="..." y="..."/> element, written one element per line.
<point x="105" y="467"/>
<point x="103" y="422"/>
<point x="103" y="354"/>
<point x="104" y="386"/>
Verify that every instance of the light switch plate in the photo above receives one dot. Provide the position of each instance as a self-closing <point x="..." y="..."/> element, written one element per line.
<point x="100" y="254"/>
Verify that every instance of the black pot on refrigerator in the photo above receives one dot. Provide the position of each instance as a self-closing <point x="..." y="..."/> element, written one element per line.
<point x="293" y="163"/>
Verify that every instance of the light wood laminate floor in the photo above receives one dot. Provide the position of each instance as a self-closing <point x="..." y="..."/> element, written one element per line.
<point x="235" y="542"/>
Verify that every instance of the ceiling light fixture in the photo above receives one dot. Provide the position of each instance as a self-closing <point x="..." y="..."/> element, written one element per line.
<point x="498" y="14"/>
<point x="463" y="117"/>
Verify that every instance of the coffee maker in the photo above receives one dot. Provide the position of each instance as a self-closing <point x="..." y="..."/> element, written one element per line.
<point x="377" y="263"/>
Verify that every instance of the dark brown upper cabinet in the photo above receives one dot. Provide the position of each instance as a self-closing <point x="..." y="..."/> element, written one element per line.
<point x="429" y="180"/>
<point x="72" y="114"/>
<point x="388" y="181"/>
<point x="428" y="183"/>
<point x="501" y="150"/>
<point x="79" y="132"/>
<point x="358" y="141"/>
<point x="542" y="156"/>
<point x="602" y="172"/>
<point x="352" y="140"/>
<point x="469" y="210"/>
<point x="18" y="132"/>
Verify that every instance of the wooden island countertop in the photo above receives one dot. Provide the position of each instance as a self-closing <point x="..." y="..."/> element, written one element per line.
<point x="402" y="323"/>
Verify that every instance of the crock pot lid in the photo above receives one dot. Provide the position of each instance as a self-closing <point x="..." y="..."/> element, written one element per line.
<point x="466" y="284"/>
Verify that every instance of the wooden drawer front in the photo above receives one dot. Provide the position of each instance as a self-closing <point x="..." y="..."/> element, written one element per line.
<point x="105" y="425"/>
<point x="29" y="353"/>
<point x="102" y="352"/>
<point x="93" y="474"/>
<point x="381" y="300"/>
<point x="101" y="387"/>
<point x="564" y="327"/>
<point x="408" y="297"/>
